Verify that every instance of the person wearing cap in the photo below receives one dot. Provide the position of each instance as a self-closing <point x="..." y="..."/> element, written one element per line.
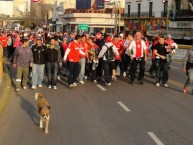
<point x="108" y="53"/>
<point x="137" y="51"/>
<point x="173" y="46"/>
<point x="161" y="50"/>
<point x="38" y="66"/>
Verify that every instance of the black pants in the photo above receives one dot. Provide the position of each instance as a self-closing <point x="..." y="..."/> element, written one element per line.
<point x="161" y="71"/>
<point x="152" y="69"/>
<point x="108" y="68"/>
<point x="134" y="64"/>
<point x="74" y="70"/>
<point x="125" y="62"/>
<point x="5" y="52"/>
<point x="100" y="68"/>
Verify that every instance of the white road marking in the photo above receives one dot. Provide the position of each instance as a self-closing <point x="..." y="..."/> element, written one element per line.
<point x="155" y="138"/>
<point x="101" y="87"/>
<point x="124" y="107"/>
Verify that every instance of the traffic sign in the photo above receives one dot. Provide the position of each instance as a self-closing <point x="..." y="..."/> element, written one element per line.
<point x="83" y="27"/>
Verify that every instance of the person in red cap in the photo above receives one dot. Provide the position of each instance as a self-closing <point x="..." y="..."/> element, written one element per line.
<point x="108" y="53"/>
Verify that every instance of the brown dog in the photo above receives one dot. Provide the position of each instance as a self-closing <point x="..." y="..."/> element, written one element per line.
<point x="44" y="111"/>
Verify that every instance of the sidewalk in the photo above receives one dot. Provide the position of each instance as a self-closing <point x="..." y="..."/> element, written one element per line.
<point x="5" y="88"/>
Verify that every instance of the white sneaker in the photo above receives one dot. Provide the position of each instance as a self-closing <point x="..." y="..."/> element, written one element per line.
<point x="70" y="86"/>
<point x="166" y="85"/>
<point x="31" y="74"/>
<point x="49" y="87"/>
<point x="85" y="77"/>
<point x="39" y="86"/>
<point x="24" y="87"/>
<point x="55" y="88"/>
<point x="74" y="84"/>
<point x="157" y="84"/>
<point x="81" y="82"/>
<point x="95" y="81"/>
<point x="33" y="87"/>
<point x="108" y="84"/>
<point x="17" y="90"/>
<point x="124" y="74"/>
<point x="58" y="77"/>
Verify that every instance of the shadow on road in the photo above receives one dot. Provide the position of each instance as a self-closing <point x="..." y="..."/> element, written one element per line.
<point x="29" y="109"/>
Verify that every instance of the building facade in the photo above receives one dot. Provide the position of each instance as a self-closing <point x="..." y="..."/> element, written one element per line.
<point x="96" y="18"/>
<point x="146" y="15"/>
<point x="6" y="7"/>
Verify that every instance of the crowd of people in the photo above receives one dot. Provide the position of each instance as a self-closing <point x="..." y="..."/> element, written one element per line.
<point x="86" y="56"/>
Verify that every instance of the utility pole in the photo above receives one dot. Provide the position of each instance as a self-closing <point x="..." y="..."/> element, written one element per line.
<point x="168" y="14"/>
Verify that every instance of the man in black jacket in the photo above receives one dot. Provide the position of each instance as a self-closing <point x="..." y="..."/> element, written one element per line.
<point x="38" y="66"/>
<point x="53" y="57"/>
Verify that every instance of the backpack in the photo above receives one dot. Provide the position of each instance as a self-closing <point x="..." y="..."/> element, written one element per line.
<point x="109" y="54"/>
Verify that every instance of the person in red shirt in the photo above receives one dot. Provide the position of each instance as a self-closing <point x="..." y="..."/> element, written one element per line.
<point x="172" y="46"/>
<point x="4" y="42"/>
<point x="117" y="43"/>
<point x="72" y="56"/>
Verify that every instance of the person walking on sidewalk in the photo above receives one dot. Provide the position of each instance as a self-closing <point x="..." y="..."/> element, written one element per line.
<point x="38" y="66"/>
<point x="188" y="68"/>
<point x="23" y="58"/>
<point x="53" y="58"/>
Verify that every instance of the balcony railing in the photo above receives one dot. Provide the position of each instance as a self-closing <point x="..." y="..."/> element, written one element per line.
<point x="186" y="13"/>
<point x="134" y="15"/>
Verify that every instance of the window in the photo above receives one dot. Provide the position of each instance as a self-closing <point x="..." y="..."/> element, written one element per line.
<point x="150" y="9"/>
<point x="129" y="10"/>
<point x="165" y="9"/>
<point x="139" y="9"/>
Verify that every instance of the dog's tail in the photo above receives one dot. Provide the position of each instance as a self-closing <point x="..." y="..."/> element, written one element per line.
<point x="38" y="96"/>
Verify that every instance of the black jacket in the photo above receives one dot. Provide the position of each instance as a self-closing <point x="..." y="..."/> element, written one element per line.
<point x="53" y="55"/>
<point x="38" y="54"/>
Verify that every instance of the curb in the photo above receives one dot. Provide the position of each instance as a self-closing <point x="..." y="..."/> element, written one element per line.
<point x="6" y="90"/>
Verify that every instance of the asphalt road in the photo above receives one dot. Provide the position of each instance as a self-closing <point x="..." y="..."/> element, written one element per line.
<point x="122" y="114"/>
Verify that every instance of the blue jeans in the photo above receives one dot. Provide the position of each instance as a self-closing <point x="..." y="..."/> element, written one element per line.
<point x="82" y="68"/>
<point x="189" y="81"/>
<point x="52" y="68"/>
<point x="37" y="74"/>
